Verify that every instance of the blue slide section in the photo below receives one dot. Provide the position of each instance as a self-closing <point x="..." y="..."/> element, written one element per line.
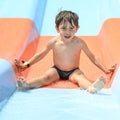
<point x="58" y="104"/>
<point x="7" y="81"/>
<point x="61" y="104"/>
<point x="116" y="84"/>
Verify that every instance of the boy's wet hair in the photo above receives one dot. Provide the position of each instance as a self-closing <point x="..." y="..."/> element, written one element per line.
<point x="64" y="16"/>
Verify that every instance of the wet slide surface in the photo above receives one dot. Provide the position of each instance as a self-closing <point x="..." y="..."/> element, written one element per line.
<point x="60" y="103"/>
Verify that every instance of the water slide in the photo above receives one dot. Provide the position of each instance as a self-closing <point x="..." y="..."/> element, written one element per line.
<point x="25" y="28"/>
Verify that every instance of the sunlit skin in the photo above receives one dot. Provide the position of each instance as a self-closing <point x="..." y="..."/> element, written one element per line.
<point x="66" y="49"/>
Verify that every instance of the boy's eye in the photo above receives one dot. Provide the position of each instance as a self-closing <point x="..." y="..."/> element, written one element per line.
<point x="63" y="28"/>
<point x="71" y="28"/>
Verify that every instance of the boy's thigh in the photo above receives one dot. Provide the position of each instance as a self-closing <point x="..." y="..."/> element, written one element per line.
<point x="51" y="74"/>
<point x="78" y="77"/>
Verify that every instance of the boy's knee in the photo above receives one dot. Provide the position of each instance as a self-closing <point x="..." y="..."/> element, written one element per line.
<point x="47" y="77"/>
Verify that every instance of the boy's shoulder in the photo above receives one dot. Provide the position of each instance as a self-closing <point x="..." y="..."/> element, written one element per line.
<point x="54" y="39"/>
<point x="78" y="39"/>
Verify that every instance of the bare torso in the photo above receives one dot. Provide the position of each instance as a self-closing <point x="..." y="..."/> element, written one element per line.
<point x="66" y="54"/>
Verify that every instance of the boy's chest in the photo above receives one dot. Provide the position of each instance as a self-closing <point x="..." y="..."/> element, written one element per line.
<point x="66" y="48"/>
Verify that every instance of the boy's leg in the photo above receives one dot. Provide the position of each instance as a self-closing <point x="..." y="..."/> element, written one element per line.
<point x="50" y="76"/>
<point x="78" y="77"/>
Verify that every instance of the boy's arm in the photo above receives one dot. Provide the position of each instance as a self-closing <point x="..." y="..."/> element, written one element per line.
<point x="38" y="56"/>
<point x="94" y="60"/>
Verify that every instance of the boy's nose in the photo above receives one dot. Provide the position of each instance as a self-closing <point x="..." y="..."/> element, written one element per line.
<point x="67" y="30"/>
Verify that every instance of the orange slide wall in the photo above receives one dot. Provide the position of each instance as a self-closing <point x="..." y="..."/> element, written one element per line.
<point x="19" y="39"/>
<point x="105" y="46"/>
<point x="14" y="35"/>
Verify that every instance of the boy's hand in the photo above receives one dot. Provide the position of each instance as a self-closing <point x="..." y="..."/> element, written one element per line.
<point x="111" y="70"/>
<point x="20" y="65"/>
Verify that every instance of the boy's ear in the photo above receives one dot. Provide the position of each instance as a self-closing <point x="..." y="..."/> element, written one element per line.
<point x="77" y="27"/>
<point x="57" y="29"/>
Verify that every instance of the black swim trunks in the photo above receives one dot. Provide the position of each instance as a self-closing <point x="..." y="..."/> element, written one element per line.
<point x="64" y="75"/>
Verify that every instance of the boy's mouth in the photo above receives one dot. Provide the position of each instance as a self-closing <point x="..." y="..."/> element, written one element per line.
<point x="67" y="37"/>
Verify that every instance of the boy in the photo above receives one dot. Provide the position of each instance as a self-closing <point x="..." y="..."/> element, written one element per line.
<point x="66" y="52"/>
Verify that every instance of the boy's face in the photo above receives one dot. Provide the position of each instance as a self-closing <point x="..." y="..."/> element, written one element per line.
<point x="66" y="30"/>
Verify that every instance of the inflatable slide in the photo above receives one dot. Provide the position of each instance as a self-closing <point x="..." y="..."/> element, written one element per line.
<point x="25" y="28"/>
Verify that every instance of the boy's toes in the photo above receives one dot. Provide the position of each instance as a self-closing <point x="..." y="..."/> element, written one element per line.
<point x="91" y="90"/>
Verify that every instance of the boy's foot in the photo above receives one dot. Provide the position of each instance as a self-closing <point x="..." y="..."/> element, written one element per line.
<point x="21" y="84"/>
<point x="97" y="85"/>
